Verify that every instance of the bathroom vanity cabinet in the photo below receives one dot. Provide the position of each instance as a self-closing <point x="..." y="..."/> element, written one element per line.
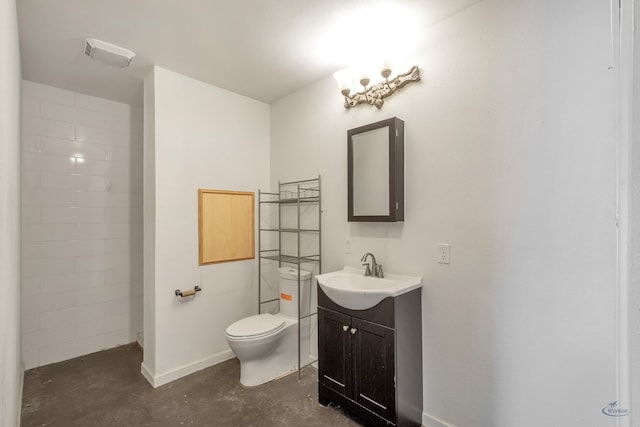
<point x="370" y="361"/>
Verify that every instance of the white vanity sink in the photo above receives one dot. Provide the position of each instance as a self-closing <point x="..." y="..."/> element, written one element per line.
<point x="351" y="289"/>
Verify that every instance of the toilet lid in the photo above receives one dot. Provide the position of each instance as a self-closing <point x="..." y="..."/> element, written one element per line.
<point x="255" y="326"/>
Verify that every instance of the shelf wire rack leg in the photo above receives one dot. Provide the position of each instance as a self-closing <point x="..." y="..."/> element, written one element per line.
<point x="259" y="251"/>
<point x="279" y="226"/>
<point x="299" y="293"/>
<point x="319" y="227"/>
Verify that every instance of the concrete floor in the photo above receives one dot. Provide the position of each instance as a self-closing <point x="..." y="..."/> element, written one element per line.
<point x="107" y="389"/>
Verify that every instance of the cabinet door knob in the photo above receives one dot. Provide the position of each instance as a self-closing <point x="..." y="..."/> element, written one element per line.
<point x="353" y="331"/>
<point x="345" y="328"/>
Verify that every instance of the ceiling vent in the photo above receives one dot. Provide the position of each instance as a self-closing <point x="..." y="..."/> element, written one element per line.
<point x="108" y="53"/>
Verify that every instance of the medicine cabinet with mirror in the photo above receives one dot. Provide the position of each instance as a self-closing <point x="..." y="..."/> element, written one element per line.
<point x="375" y="159"/>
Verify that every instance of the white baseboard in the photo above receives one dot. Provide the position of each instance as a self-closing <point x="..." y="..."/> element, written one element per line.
<point x="431" y="421"/>
<point x="19" y="409"/>
<point x="146" y="374"/>
<point x="190" y="368"/>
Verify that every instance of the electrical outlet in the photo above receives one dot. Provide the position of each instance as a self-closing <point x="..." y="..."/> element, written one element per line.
<point x="444" y="253"/>
<point x="348" y="249"/>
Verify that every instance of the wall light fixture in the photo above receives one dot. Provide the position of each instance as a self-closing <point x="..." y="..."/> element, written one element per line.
<point x="375" y="94"/>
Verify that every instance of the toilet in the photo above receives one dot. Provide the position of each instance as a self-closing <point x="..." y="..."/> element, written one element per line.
<point x="266" y="344"/>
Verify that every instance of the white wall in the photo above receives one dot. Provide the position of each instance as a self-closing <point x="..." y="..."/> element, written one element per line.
<point x="11" y="367"/>
<point x="203" y="137"/>
<point x="510" y="158"/>
<point x="634" y="232"/>
<point x="149" y="213"/>
<point x="82" y="224"/>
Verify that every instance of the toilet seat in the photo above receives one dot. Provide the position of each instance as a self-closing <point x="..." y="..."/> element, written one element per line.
<point x="255" y="326"/>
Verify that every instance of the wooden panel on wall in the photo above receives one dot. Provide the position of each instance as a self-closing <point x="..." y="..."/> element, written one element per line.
<point x="226" y="226"/>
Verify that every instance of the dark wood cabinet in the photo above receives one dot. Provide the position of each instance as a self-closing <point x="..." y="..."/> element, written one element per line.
<point x="375" y="154"/>
<point x="370" y="361"/>
<point x="334" y="349"/>
<point x="372" y="355"/>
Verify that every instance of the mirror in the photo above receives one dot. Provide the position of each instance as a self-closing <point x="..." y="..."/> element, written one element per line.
<point x="375" y="158"/>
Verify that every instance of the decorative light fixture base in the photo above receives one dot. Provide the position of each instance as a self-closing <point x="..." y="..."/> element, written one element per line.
<point x="375" y="94"/>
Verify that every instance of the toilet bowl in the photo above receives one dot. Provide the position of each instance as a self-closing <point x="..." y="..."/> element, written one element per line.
<point x="266" y="344"/>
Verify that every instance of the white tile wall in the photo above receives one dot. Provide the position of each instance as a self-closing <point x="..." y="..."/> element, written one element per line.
<point x="81" y="222"/>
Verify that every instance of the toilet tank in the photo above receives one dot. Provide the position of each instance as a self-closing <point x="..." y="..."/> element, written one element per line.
<point x="288" y="290"/>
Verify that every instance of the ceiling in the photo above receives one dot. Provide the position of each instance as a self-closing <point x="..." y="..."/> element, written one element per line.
<point x="263" y="49"/>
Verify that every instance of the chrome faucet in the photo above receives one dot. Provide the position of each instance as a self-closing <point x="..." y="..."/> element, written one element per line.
<point x="374" y="269"/>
